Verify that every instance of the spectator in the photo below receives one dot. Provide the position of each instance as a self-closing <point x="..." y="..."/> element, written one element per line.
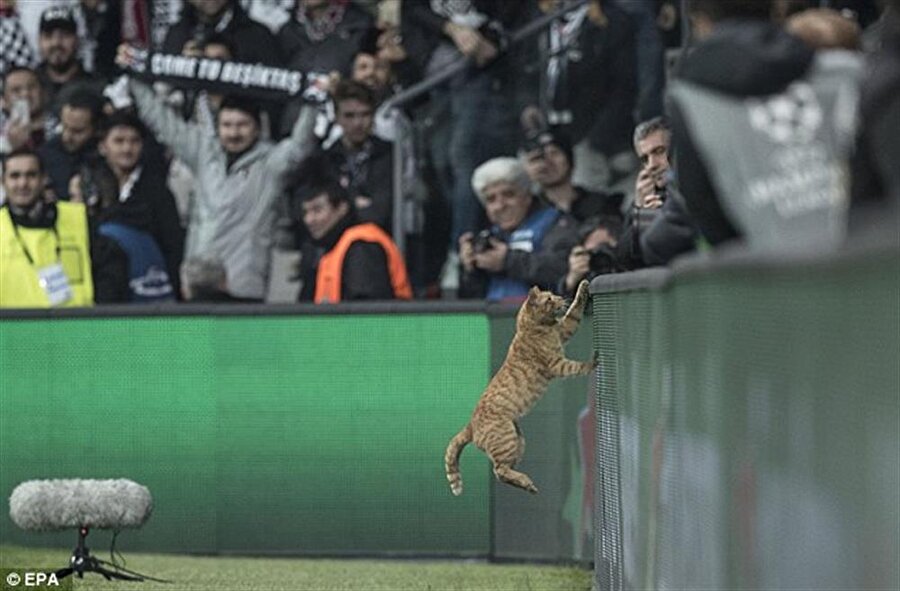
<point x="590" y="84"/>
<point x="876" y="176"/>
<point x="363" y="163"/>
<point x="99" y="33"/>
<point x="657" y="228"/>
<point x="239" y="179"/>
<point x="548" y="160"/>
<point x="217" y="47"/>
<point x="480" y="102"/>
<point x="751" y="89"/>
<point x="47" y="258"/>
<point x="129" y="206"/>
<point x="323" y="36"/>
<point x="504" y="262"/>
<point x="252" y="42"/>
<point x="60" y="66"/>
<point x="344" y="259"/>
<point x="76" y="145"/>
<point x="205" y="280"/>
<point x="25" y="123"/>
<point x="595" y="254"/>
<point x="15" y="50"/>
<point x="650" y="64"/>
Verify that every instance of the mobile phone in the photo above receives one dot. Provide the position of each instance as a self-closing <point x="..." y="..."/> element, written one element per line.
<point x="21" y="111"/>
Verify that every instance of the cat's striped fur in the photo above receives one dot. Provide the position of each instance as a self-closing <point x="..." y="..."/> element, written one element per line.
<point x="535" y="357"/>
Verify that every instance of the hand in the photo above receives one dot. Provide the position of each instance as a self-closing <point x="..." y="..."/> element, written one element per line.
<point x="192" y="49"/>
<point x="493" y="260"/>
<point x="18" y="133"/>
<point x="485" y="52"/>
<point x="466" y="39"/>
<point x="667" y="17"/>
<point x="390" y="46"/>
<point x="331" y="83"/>
<point x="75" y="195"/>
<point x="125" y="56"/>
<point x="653" y="201"/>
<point x="579" y="266"/>
<point x="467" y="252"/>
<point x="532" y="119"/>
<point x="644" y="187"/>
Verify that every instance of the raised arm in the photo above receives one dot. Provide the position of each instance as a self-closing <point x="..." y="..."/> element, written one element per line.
<point x="187" y="141"/>
<point x="290" y="152"/>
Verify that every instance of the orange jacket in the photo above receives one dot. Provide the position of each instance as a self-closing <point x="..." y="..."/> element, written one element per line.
<point x="328" y="276"/>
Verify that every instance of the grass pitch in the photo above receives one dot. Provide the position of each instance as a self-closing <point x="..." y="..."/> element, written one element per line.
<point x="190" y="573"/>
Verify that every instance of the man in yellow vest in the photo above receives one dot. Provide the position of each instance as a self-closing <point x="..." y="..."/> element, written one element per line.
<point x="44" y="247"/>
<point x="344" y="259"/>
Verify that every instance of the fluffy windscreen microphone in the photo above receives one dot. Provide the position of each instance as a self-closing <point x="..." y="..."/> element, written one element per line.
<point x="45" y="505"/>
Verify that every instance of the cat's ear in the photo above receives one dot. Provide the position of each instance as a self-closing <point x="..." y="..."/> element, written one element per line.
<point x="533" y="293"/>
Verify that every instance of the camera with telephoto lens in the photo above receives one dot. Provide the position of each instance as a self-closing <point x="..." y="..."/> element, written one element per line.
<point x="481" y="242"/>
<point x="603" y="261"/>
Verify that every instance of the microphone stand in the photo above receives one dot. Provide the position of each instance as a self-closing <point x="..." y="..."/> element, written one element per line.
<point x="82" y="562"/>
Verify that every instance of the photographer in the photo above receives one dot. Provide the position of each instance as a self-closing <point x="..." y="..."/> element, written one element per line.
<point x="524" y="246"/>
<point x="595" y="253"/>
<point x="658" y="227"/>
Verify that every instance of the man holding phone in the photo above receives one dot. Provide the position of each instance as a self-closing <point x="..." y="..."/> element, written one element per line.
<point x="651" y="143"/>
<point x="24" y="122"/>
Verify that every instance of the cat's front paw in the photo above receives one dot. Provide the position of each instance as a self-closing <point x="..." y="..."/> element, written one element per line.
<point x="581" y="295"/>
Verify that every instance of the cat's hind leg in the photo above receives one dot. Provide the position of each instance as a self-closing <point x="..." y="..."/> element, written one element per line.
<point x="504" y="447"/>
<point x="520" y="450"/>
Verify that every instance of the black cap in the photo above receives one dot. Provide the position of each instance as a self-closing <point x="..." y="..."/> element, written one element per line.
<point x="58" y="17"/>
<point x="547" y="137"/>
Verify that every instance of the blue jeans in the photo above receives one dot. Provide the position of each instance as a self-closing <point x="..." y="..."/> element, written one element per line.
<point x="481" y="124"/>
<point x="650" y="57"/>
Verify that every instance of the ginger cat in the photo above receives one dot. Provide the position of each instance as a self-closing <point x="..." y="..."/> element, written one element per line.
<point x="535" y="357"/>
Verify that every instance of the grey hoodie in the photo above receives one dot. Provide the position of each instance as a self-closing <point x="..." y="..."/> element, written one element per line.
<point x="234" y="209"/>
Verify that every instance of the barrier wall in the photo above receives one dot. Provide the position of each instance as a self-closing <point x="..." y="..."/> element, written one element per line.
<point x="309" y="434"/>
<point x="286" y="430"/>
<point x="749" y="424"/>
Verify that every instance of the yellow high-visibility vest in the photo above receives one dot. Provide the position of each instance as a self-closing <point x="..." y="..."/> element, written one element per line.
<point x="69" y="245"/>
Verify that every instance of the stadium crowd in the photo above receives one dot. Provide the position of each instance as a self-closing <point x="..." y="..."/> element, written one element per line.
<point x="596" y="145"/>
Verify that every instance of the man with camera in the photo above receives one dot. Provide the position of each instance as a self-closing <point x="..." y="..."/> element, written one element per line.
<point x="524" y="245"/>
<point x="658" y="227"/>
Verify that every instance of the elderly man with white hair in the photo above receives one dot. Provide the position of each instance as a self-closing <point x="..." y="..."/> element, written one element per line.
<point x="527" y="243"/>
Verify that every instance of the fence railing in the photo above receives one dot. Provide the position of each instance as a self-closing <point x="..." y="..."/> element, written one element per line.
<point x="749" y="423"/>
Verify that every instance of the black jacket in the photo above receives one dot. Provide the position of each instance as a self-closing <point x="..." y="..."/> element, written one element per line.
<point x="333" y="53"/>
<point x="365" y="275"/>
<point x="875" y="195"/>
<point x="425" y="29"/>
<point x="150" y="208"/>
<point x="252" y="42"/>
<point x="61" y="165"/>
<point x="598" y="83"/>
<point x="743" y="59"/>
<point x="374" y="179"/>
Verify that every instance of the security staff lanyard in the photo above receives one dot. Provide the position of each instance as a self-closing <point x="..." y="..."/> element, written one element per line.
<point x="52" y="278"/>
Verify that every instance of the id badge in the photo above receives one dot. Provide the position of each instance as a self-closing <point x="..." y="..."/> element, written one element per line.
<point x="55" y="284"/>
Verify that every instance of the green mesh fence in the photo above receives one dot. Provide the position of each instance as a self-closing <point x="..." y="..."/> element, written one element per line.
<point x="750" y="426"/>
<point x="309" y="434"/>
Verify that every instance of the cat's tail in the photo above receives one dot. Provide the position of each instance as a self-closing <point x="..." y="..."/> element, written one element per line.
<point x="451" y="458"/>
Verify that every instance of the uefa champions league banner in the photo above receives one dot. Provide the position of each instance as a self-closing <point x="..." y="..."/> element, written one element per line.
<point x="227" y="77"/>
